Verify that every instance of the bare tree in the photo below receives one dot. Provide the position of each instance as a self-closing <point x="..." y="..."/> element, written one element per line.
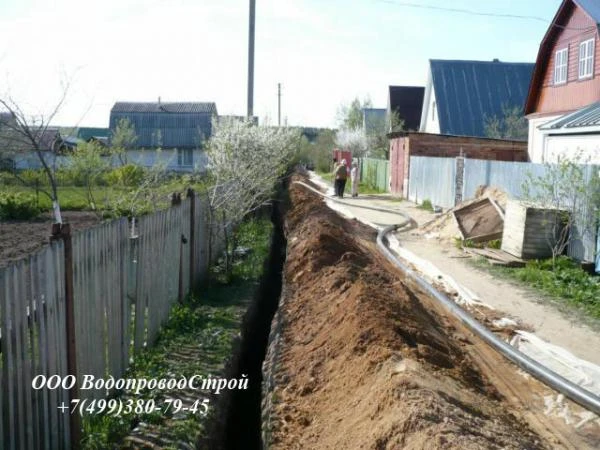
<point x="22" y="133"/>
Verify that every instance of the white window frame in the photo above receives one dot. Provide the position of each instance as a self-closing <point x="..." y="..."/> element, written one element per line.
<point x="586" y="59"/>
<point x="185" y="157"/>
<point x="561" y="66"/>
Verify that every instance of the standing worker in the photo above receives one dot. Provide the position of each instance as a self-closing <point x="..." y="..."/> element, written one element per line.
<point x="340" y="174"/>
<point x="354" y="179"/>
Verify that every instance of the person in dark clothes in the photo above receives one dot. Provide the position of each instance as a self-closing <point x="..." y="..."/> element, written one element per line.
<point x="340" y="174"/>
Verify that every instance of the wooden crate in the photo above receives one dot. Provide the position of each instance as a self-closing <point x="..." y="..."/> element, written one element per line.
<point x="530" y="231"/>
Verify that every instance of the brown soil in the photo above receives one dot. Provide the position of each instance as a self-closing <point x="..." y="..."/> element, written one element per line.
<point x="20" y="238"/>
<point x="368" y="361"/>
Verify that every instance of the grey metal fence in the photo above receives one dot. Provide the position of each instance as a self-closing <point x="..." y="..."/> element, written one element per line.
<point x="436" y="179"/>
<point x="432" y="179"/>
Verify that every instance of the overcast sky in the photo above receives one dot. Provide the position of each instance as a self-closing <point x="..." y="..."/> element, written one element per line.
<point x="323" y="52"/>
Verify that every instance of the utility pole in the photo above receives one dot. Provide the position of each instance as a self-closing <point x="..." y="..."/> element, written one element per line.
<point x="251" y="60"/>
<point x="278" y="104"/>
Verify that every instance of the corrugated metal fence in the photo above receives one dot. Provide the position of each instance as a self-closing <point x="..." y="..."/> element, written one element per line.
<point x="432" y="179"/>
<point x="124" y="285"/>
<point x="375" y="173"/>
<point x="437" y="179"/>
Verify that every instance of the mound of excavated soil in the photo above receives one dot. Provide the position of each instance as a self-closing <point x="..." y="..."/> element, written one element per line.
<point x="363" y="363"/>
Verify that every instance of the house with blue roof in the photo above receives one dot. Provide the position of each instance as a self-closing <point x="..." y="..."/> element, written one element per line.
<point x="563" y="103"/>
<point x="460" y="96"/>
<point x="178" y="129"/>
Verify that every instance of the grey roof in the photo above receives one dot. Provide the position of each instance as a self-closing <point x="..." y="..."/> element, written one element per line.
<point x="162" y="107"/>
<point x="166" y="125"/>
<point x="468" y="92"/>
<point x="582" y="118"/>
<point x="407" y="102"/>
<point x="592" y="7"/>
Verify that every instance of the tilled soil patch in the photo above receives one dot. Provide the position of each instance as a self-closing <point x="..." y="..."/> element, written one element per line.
<point x="363" y="363"/>
<point x="19" y="238"/>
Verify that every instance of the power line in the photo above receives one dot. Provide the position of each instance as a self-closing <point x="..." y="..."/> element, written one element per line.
<point x="472" y="12"/>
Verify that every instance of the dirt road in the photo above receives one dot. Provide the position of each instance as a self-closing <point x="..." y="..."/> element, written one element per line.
<point x="365" y="360"/>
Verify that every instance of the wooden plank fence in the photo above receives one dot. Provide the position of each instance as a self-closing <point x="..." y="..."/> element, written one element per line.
<point x="33" y="342"/>
<point x="125" y="278"/>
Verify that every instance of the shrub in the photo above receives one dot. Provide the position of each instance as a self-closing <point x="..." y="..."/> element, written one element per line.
<point x="427" y="205"/>
<point x="8" y="179"/>
<point x="33" y="177"/>
<point x="18" y="206"/>
<point x="127" y="175"/>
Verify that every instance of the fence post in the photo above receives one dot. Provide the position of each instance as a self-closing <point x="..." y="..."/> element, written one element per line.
<point x="192" y="198"/>
<point x="459" y="178"/>
<point x="63" y="231"/>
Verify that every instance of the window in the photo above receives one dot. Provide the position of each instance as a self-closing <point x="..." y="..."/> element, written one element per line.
<point x="561" y="65"/>
<point x="586" y="58"/>
<point x="185" y="157"/>
<point x="433" y="112"/>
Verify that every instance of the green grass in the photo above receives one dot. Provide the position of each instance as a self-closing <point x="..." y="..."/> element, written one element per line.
<point x="426" y="205"/>
<point x="74" y="198"/>
<point x="565" y="283"/>
<point x="209" y="322"/>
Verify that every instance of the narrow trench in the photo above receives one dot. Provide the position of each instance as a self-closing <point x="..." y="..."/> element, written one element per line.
<point x="240" y="426"/>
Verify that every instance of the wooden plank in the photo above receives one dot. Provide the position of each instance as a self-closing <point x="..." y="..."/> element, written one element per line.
<point x="19" y="318"/>
<point x="42" y="337"/>
<point x="51" y="288"/>
<point x="140" y="283"/>
<point x="34" y="332"/>
<point x="4" y="338"/>
<point x="28" y="325"/>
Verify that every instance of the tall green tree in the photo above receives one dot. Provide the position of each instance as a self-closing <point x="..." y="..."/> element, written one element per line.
<point x="350" y="116"/>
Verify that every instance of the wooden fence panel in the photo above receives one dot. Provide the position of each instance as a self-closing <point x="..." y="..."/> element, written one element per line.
<point x="100" y="264"/>
<point x="32" y="343"/>
<point x="184" y="223"/>
<point x="201" y="244"/>
<point x="157" y="270"/>
<point x="33" y="339"/>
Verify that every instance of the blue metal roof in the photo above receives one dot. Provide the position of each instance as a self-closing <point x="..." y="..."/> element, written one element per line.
<point x="468" y="92"/>
<point x="592" y="7"/>
<point x="407" y="102"/>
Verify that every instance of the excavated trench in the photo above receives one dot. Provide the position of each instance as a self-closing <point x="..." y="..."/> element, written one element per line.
<point x="238" y="421"/>
<point x="355" y="356"/>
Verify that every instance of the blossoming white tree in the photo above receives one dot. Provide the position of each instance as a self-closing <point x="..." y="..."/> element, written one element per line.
<point x="353" y="140"/>
<point x="245" y="162"/>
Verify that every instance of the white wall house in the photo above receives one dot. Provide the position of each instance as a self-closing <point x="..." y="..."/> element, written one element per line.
<point x="429" y="116"/>
<point x="574" y="136"/>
